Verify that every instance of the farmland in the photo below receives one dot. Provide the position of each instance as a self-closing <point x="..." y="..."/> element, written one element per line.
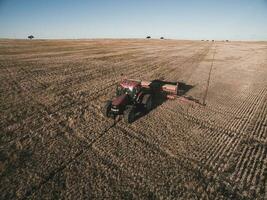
<point x="55" y="143"/>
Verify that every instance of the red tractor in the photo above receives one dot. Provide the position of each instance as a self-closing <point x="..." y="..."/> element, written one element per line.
<point x="134" y="95"/>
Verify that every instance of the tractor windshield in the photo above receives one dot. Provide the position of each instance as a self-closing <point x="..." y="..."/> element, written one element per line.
<point x="130" y="91"/>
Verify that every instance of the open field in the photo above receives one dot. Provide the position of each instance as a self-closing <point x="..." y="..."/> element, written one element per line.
<point x="55" y="143"/>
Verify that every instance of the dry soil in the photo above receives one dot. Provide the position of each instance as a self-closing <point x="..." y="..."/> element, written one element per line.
<point x="55" y="143"/>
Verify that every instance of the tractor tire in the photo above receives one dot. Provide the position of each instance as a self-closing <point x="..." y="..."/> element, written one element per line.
<point x="129" y="114"/>
<point x="107" y="108"/>
<point x="147" y="102"/>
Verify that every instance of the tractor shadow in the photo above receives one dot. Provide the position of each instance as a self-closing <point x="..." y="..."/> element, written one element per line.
<point x="160" y="97"/>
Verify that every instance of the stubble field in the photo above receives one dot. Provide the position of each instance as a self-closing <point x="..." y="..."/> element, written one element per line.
<point x="55" y="143"/>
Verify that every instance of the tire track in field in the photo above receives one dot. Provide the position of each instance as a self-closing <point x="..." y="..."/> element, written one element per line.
<point x="194" y="59"/>
<point x="54" y="172"/>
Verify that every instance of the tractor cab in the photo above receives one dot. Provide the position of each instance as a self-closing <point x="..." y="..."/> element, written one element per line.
<point x="129" y="87"/>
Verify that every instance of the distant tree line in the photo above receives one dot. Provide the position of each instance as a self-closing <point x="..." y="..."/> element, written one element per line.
<point x="149" y="37"/>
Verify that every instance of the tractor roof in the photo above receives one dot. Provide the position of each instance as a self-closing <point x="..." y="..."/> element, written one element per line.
<point x="130" y="83"/>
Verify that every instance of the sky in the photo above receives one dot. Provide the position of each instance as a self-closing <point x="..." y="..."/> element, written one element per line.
<point x="174" y="19"/>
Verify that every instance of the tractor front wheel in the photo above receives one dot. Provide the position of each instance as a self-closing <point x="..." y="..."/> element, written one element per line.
<point x="129" y="114"/>
<point x="107" y="108"/>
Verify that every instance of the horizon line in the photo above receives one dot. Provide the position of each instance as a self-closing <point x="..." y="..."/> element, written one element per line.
<point x="133" y="38"/>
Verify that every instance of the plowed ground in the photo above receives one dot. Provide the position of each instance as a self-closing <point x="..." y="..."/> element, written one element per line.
<point x="55" y="143"/>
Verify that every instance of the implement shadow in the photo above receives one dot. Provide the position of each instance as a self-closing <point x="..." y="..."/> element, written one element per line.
<point x="159" y="97"/>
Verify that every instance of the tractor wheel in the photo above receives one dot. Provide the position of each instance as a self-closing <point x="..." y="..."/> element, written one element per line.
<point x="129" y="114"/>
<point x="106" y="109"/>
<point x="147" y="101"/>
